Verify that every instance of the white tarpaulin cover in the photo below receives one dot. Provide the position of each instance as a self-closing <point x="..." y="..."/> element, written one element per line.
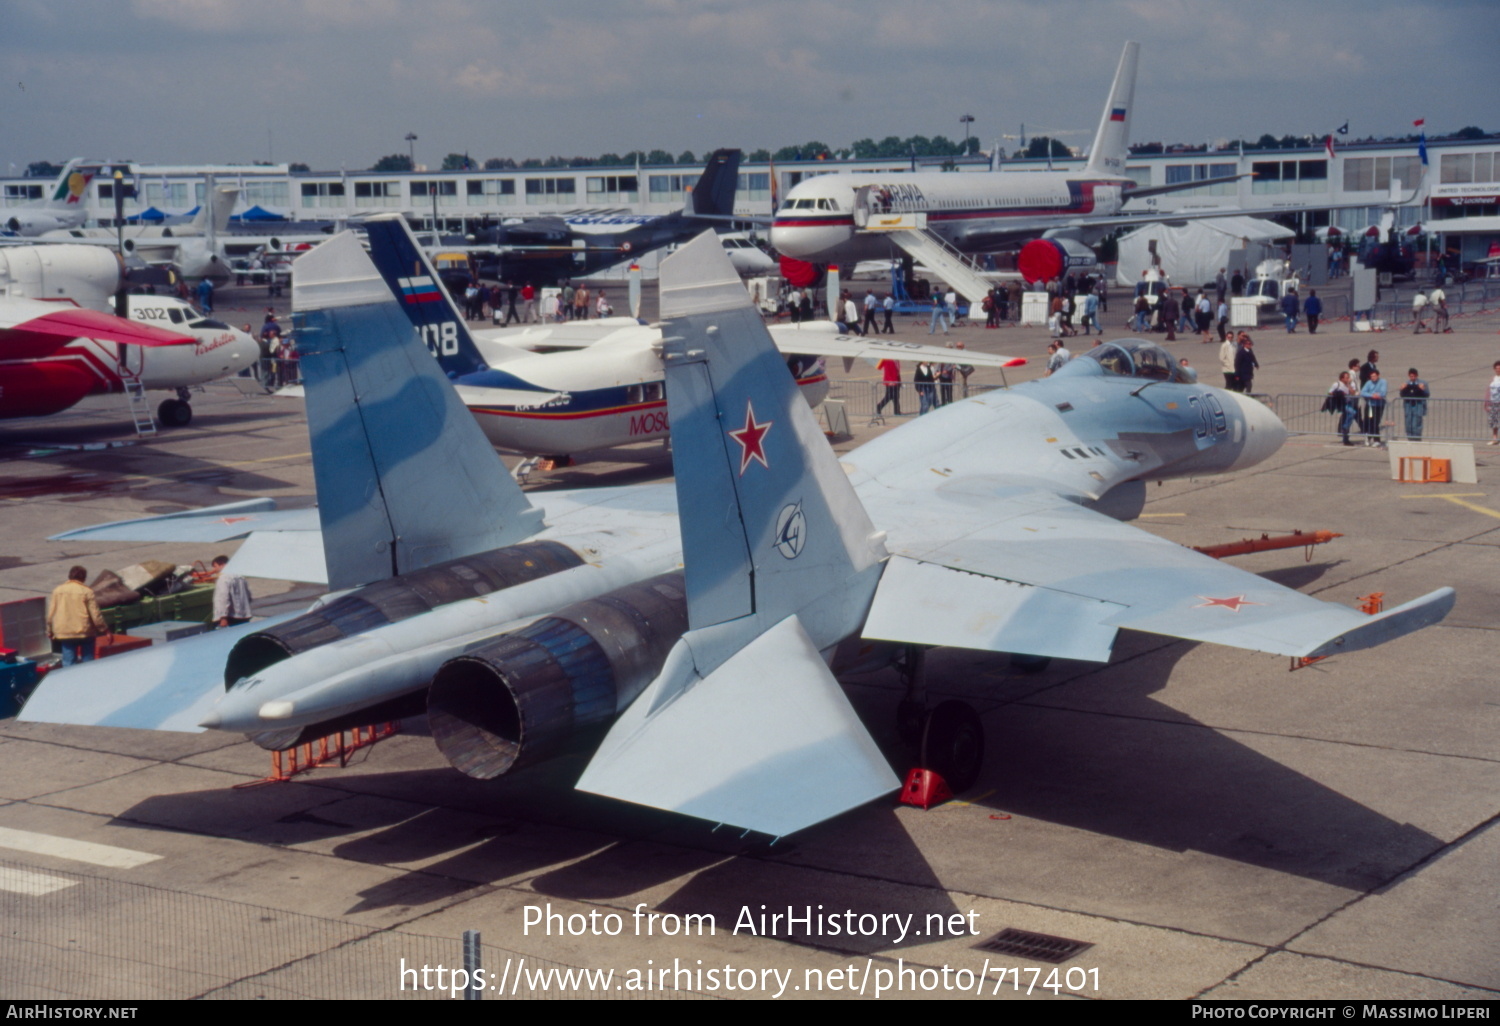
<point x="1193" y="252"/>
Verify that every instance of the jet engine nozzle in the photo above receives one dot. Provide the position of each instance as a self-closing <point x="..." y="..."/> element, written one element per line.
<point x="530" y="694"/>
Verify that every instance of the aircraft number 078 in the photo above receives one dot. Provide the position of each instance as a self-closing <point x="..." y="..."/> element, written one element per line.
<point x="441" y="339"/>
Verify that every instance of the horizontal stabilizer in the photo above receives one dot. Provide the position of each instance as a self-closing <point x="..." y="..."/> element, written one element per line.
<point x="927" y="604"/>
<point x="282" y="556"/>
<point x="210" y="524"/>
<point x="766" y="742"/>
<point x="164" y="687"/>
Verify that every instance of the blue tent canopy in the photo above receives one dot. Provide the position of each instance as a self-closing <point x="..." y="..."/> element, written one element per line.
<point x="258" y="213"/>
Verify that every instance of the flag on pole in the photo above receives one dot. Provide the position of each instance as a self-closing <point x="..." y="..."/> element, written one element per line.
<point x="775" y="192"/>
<point x="1328" y="145"/>
<point x="1344" y="128"/>
<point x="1421" y="142"/>
<point x="1419" y="122"/>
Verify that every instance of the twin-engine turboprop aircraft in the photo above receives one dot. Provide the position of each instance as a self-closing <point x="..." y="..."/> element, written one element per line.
<point x="601" y="384"/>
<point x="52" y="355"/>
<point x="702" y="625"/>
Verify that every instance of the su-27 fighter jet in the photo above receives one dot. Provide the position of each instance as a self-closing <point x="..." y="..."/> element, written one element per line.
<point x="710" y="654"/>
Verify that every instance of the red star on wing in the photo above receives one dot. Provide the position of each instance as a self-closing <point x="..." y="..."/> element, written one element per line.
<point x="752" y="439"/>
<point x="234" y="520"/>
<point x="1232" y="603"/>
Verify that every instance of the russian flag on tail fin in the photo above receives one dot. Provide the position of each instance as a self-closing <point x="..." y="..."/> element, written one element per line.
<point x="424" y="300"/>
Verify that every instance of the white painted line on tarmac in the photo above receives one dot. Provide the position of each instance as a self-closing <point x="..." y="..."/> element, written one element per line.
<point x="77" y="851"/>
<point x="18" y="881"/>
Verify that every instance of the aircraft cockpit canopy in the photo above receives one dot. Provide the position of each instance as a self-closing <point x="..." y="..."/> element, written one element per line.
<point x="1138" y="358"/>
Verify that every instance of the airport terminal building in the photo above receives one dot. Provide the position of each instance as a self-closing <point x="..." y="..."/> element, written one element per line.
<point x="1462" y="201"/>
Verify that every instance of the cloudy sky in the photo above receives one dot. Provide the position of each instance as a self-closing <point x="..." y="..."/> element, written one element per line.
<point x="338" y="83"/>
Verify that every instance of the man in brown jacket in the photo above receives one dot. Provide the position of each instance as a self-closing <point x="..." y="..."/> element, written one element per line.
<point x="73" y="618"/>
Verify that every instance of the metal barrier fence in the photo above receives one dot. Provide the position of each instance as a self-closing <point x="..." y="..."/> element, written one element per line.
<point x="1445" y="420"/>
<point x="73" y="936"/>
<point x="275" y="372"/>
<point x="1466" y="298"/>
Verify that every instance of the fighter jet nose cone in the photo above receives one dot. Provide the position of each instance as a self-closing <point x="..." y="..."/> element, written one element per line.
<point x="211" y="722"/>
<point x="1264" y="431"/>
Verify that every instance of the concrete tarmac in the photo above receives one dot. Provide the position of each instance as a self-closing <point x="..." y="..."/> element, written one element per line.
<point x="1207" y="823"/>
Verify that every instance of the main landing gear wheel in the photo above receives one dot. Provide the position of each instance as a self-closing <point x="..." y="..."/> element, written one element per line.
<point x="174" y="413"/>
<point x="953" y="744"/>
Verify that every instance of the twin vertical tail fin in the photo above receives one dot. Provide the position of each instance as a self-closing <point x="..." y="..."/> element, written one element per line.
<point x="745" y="724"/>
<point x="405" y="478"/>
<point x="1112" y="140"/>
<point x="713" y="196"/>
<point x="421" y="294"/>
<point x="769" y="520"/>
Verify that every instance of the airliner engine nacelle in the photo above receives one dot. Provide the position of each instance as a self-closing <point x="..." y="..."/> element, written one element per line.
<point x="531" y="694"/>
<point x="33" y="224"/>
<point x="88" y="275"/>
<point x="1049" y="259"/>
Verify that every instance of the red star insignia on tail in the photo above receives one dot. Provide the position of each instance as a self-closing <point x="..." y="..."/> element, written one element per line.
<point x="1232" y="603"/>
<point x="752" y="439"/>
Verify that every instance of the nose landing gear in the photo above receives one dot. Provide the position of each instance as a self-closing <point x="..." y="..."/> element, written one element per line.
<point x="176" y="412"/>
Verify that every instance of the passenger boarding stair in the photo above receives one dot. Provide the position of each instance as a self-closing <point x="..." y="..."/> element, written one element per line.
<point x="957" y="270"/>
<point x="140" y="408"/>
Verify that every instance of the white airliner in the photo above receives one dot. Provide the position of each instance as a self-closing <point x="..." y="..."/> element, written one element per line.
<point x="195" y="248"/>
<point x="64" y="207"/>
<point x="845" y="218"/>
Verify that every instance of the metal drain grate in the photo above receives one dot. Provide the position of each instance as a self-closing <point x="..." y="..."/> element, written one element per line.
<point x="1039" y="947"/>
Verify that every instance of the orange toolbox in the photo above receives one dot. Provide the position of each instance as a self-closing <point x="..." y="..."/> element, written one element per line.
<point x="114" y="644"/>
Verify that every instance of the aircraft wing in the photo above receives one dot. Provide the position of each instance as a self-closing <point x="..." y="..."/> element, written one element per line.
<point x="209" y="524"/>
<point x="170" y="687"/>
<point x="474" y="395"/>
<point x="280" y="544"/>
<point x="850" y="347"/>
<point x="65" y="323"/>
<point x="985" y="566"/>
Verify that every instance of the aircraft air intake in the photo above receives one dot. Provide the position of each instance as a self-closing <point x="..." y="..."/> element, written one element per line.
<point x="396" y="599"/>
<point x="531" y="694"/>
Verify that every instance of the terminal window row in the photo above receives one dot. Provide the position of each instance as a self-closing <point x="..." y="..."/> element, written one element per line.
<point x="1458" y="168"/>
<point x="1273" y="177"/>
<point x="1181" y="173"/>
<point x="1372" y="174"/>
